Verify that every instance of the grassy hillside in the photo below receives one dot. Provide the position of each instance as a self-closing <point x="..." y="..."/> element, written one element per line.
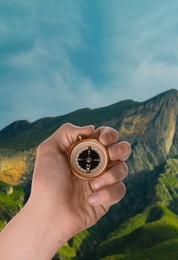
<point x="142" y="235"/>
<point x="11" y="201"/>
<point x="163" y="251"/>
<point x="166" y="189"/>
<point x="151" y="234"/>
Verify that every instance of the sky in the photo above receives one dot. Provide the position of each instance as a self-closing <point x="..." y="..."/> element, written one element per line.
<point x="58" y="56"/>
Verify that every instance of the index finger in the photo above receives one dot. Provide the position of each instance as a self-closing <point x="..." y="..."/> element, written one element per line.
<point x="106" y="135"/>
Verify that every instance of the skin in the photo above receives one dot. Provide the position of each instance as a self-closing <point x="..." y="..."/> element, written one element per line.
<point x="60" y="204"/>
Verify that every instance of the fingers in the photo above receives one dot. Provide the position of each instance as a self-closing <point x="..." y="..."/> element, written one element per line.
<point x="116" y="173"/>
<point x="108" y="189"/>
<point x="106" y="135"/>
<point x="65" y="136"/>
<point x="69" y="133"/>
<point x="120" y="151"/>
<point x="108" y="196"/>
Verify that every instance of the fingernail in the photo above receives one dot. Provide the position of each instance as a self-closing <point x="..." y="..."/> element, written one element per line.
<point x="98" y="184"/>
<point x="93" y="199"/>
<point x="105" y="138"/>
<point x="114" y="153"/>
<point x="114" y="149"/>
<point x="92" y="126"/>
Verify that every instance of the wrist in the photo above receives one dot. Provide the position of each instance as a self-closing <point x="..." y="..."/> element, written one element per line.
<point x="34" y="228"/>
<point x="64" y="223"/>
<point x="47" y="221"/>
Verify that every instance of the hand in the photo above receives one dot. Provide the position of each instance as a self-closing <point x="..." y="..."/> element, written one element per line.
<point x="72" y="203"/>
<point x="61" y="204"/>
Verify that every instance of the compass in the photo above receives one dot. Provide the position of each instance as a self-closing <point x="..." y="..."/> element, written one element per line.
<point x="88" y="158"/>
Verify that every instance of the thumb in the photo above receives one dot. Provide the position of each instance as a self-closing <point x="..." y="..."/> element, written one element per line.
<point x="67" y="134"/>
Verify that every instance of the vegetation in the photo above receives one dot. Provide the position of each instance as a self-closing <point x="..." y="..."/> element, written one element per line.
<point x="10" y="202"/>
<point x="163" y="251"/>
<point x="154" y="226"/>
<point x="12" y="169"/>
<point x="166" y="189"/>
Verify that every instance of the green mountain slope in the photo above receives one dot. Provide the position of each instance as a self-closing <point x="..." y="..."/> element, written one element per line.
<point x="11" y="201"/>
<point x="153" y="227"/>
<point x="163" y="251"/>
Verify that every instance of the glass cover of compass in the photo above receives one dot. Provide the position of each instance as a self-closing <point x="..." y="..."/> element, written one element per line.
<point x="88" y="159"/>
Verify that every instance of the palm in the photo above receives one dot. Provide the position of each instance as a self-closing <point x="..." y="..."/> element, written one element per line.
<point x="75" y="195"/>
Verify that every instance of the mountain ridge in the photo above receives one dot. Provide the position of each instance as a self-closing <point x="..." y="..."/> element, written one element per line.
<point x="27" y="122"/>
<point x="73" y="113"/>
<point x="19" y="131"/>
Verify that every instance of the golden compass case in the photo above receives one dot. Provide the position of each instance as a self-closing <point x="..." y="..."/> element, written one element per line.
<point x="88" y="159"/>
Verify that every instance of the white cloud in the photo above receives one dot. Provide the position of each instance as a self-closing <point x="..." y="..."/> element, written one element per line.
<point x="143" y="58"/>
<point x="59" y="56"/>
<point x="152" y="78"/>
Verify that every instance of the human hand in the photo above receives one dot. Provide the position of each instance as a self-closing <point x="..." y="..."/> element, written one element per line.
<point x="74" y="204"/>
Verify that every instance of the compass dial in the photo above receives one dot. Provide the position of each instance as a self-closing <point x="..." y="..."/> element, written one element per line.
<point x="88" y="159"/>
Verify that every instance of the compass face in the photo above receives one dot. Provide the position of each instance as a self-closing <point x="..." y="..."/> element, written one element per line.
<point x="88" y="159"/>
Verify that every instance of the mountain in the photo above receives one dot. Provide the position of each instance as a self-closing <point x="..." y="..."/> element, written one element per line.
<point x="150" y="127"/>
<point x="17" y="134"/>
<point x="144" y="224"/>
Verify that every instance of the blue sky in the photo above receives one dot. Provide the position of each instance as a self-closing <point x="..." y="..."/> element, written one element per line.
<point x="61" y="55"/>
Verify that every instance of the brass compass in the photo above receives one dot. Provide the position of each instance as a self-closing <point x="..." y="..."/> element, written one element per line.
<point x="88" y="158"/>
